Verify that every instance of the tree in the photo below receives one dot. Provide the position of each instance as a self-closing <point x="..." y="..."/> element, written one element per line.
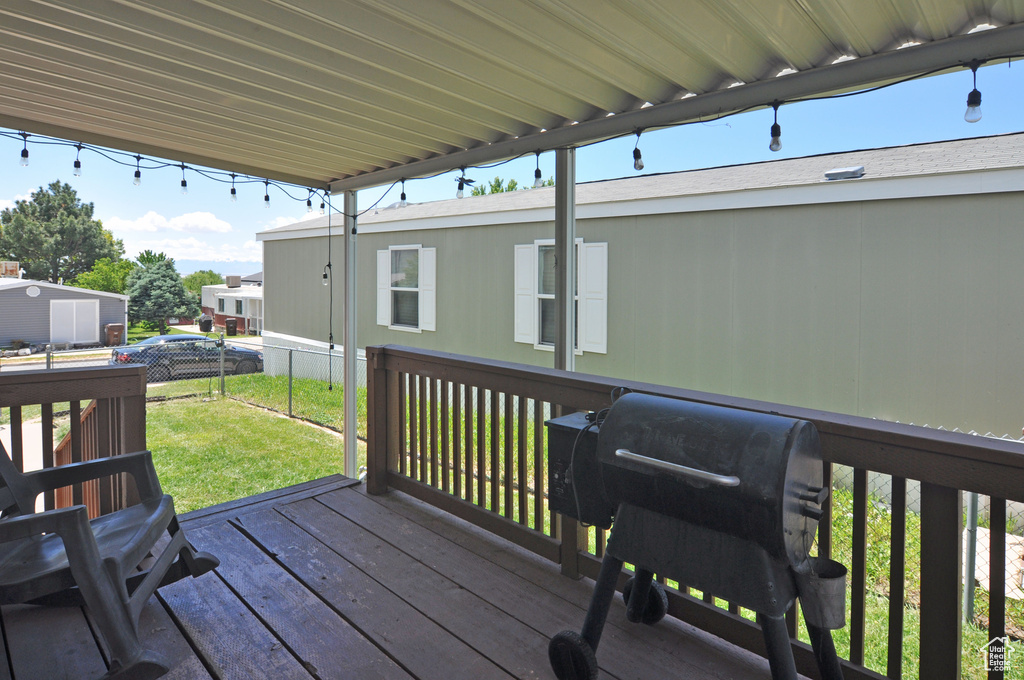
<point x="195" y="281"/>
<point x="148" y="257"/>
<point x="54" y="236"/>
<point x="107" y="275"/>
<point x="496" y="186"/>
<point x="157" y="292"/>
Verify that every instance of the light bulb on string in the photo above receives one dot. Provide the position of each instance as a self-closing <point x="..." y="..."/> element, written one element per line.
<point x="776" y="143"/>
<point x="327" y="277"/>
<point x="537" y="181"/>
<point x="973" y="114"/>
<point x="234" y="192"/>
<point x="309" y="202"/>
<point x="266" y="194"/>
<point x="463" y="183"/>
<point x="24" y="150"/>
<point x="184" y="182"/>
<point x="138" y="171"/>
<point x="322" y="208"/>
<point x="638" y="161"/>
<point x="402" y="202"/>
<point x="77" y="172"/>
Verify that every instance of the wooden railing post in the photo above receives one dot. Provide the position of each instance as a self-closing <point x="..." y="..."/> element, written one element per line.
<point x="941" y="565"/>
<point x="377" y="435"/>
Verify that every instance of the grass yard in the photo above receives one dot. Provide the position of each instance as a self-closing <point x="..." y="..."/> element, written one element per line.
<point x="209" y="452"/>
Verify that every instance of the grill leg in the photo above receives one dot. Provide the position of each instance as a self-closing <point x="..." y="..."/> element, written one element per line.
<point x="601" y="600"/>
<point x="776" y="641"/>
<point x="638" y="595"/>
<point x="825" y="653"/>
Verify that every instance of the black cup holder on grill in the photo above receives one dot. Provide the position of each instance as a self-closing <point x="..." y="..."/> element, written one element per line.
<point x="722" y="500"/>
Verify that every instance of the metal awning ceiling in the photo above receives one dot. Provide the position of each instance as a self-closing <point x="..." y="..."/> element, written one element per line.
<point x="357" y="93"/>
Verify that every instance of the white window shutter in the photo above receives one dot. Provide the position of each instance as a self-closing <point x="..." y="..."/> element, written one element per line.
<point x="383" y="287"/>
<point x="428" y="289"/>
<point x="593" y="298"/>
<point x="525" y="289"/>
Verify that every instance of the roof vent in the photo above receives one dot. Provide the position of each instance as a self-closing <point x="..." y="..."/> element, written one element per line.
<point x="854" y="172"/>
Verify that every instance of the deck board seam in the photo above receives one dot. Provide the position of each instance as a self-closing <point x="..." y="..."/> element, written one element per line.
<point x="208" y="664"/>
<point x="367" y="635"/>
<point x="484" y="653"/>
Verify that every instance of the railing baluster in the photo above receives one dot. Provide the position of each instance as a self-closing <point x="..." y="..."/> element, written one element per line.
<point x="825" y="523"/>
<point x="17" y="444"/>
<point x="404" y="414"/>
<point x="941" y="565"/>
<point x="469" y="443"/>
<point x="522" y="481"/>
<point x="481" y="448"/>
<point x="445" y="444"/>
<point x="457" y="440"/>
<point x="49" y="497"/>
<point x="997" y="575"/>
<point x="539" y="467"/>
<point x="508" y="481"/>
<point x="432" y="397"/>
<point x="859" y="560"/>
<point x="75" y="408"/>
<point x="494" y="449"/>
<point x="897" y="577"/>
<point x="421" y="395"/>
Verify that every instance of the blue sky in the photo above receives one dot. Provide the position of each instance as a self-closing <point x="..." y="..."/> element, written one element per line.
<point x="204" y="229"/>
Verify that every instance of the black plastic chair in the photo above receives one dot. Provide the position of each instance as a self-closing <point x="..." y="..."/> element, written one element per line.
<point x="61" y="557"/>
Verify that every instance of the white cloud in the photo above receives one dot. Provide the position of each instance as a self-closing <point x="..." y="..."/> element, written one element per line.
<point x="190" y="223"/>
<point x="192" y="248"/>
<point x="6" y="203"/>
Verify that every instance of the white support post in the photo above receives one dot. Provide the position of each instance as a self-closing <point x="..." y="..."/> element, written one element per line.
<point x="351" y="379"/>
<point x="565" y="260"/>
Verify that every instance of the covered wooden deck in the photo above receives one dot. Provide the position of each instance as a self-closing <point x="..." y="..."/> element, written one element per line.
<point x="322" y="580"/>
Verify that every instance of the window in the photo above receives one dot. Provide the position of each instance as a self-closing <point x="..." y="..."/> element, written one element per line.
<point x="238" y="306"/>
<point x="534" y="308"/>
<point x="406" y="295"/>
<point x="220" y="305"/>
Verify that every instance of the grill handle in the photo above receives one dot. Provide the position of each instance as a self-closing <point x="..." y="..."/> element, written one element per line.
<point x="679" y="470"/>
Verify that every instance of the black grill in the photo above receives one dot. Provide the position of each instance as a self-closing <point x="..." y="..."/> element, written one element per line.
<point x="722" y="500"/>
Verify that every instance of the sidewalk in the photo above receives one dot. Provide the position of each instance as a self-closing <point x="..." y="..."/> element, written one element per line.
<point x="32" y="447"/>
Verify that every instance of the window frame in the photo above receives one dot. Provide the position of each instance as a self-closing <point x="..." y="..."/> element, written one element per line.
<point x="426" y="288"/>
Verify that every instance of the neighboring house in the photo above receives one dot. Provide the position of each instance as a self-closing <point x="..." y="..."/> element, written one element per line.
<point x="896" y="294"/>
<point x="40" y="313"/>
<point x="232" y="300"/>
<point x="253" y="279"/>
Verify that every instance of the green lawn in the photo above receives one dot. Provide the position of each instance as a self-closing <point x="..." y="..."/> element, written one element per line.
<point x="212" y="451"/>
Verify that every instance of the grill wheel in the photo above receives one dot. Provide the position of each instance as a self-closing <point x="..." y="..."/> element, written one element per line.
<point x="572" y="657"/>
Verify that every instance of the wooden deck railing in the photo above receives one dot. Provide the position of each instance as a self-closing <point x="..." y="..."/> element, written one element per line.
<point x="467" y="435"/>
<point x="112" y="422"/>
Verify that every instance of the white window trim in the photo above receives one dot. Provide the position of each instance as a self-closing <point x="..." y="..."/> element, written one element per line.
<point x="526" y="308"/>
<point x="426" y="290"/>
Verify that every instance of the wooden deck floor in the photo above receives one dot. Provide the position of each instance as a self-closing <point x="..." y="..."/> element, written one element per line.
<point x="323" y="581"/>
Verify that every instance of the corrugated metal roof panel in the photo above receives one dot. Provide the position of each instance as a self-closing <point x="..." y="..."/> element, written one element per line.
<point x="313" y="91"/>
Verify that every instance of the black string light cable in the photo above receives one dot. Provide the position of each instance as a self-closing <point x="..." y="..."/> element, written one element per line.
<point x="139" y="162"/>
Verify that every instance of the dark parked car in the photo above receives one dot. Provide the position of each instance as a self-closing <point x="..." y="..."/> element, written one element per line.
<point x="186" y="356"/>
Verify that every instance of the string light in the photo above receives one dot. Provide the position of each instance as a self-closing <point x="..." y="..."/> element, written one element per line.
<point x="776" y="143"/>
<point x="638" y="161"/>
<point x="234" y="192"/>
<point x="138" y="171"/>
<point x="266" y="193"/>
<point x="309" y="202"/>
<point x="184" y="182"/>
<point x="321" y="207"/>
<point x="463" y="182"/>
<point x="537" y="181"/>
<point x="402" y="202"/>
<point x="24" y="150"/>
<point x="973" y="114"/>
<point x="77" y="172"/>
<point x="327" y="278"/>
